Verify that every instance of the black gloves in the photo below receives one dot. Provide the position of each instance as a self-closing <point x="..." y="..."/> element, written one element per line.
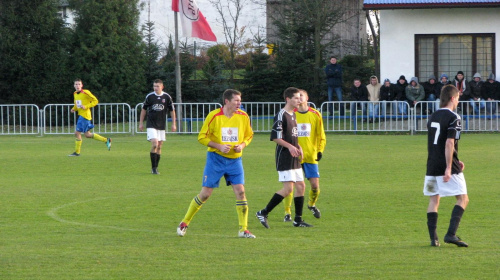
<point x="320" y="155"/>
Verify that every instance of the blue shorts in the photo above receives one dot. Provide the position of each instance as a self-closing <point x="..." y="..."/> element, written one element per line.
<point x="83" y="125"/>
<point x="218" y="166"/>
<point x="311" y="170"/>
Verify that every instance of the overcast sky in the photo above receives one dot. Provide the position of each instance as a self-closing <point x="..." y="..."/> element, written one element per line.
<point x="253" y="15"/>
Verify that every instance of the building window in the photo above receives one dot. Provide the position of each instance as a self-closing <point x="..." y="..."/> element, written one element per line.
<point x="450" y="53"/>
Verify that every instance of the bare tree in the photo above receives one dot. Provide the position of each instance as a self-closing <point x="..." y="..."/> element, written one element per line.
<point x="230" y="12"/>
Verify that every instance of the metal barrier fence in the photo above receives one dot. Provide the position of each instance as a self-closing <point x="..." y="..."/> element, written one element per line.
<point x="19" y="119"/>
<point x="366" y="116"/>
<point x="476" y="115"/>
<point x="107" y="118"/>
<point x="346" y="116"/>
<point x="191" y="120"/>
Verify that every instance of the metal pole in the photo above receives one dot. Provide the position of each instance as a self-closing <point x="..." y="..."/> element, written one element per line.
<point x="178" y="95"/>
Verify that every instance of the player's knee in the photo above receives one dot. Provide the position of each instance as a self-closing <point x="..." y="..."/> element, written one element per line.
<point x="89" y="135"/>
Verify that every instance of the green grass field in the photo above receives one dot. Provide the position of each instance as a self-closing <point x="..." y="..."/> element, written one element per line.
<point x="104" y="216"/>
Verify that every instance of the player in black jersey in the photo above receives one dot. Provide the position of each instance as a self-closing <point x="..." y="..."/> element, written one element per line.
<point x="288" y="157"/>
<point x="444" y="175"/>
<point x="156" y="107"/>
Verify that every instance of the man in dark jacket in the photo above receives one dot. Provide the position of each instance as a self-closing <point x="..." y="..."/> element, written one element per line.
<point x="475" y="93"/>
<point x="333" y="73"/>
<point x="401" y="95"/>
<point x="430" y="88"/>
<point x="490" y="92"/>
<point x="358" y="93"/>
<point x="388" y="93"/>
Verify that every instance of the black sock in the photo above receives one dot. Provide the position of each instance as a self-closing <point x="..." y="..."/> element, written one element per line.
<point x="157" y="160"/>
<point x="153" y="160"/>
<point x="456" y="216"/>
<point x="275" y="200"/>
<point x="299" y="205"/>
<point x="432" y="219"/>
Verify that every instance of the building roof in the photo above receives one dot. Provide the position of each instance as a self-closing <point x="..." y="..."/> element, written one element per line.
<point x="427" y="4"/>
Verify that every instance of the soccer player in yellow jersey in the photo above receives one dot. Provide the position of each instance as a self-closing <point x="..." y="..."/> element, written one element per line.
<point x="84" y="100"/>
<point x="312" y="139"/>
<point x="226" y="131"/>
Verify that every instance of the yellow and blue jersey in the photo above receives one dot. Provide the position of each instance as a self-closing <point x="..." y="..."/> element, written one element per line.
<point x="87" y="99"/>
<point x="311" y="132"/>
<point x="227" y="131"/>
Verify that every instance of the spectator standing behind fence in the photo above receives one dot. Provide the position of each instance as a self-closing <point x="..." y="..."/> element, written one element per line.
<point x="490" y="91"/>
<point x="475" y="93"/>
<point x="156" y="106"/>
<point x="414" y="92"/>
<point x="373" y="96"/>
<point x="387" y="94"/>
<point x="83" y="100"/>
<point x="430" y="88"/>
<point x="443" y="80"/>
<point x="401" y="95"/>
<point x="333" y="73"/>
<point x="359" y="94"/>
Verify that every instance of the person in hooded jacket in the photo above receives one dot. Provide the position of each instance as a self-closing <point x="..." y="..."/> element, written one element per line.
<point x="490" y="92"/>
<point x="475" y="93"/>
<point x="374" y="96"/>
<point x="443" y="80"/>
<point x="414" y="92"/>
<point x="400" y="88"/>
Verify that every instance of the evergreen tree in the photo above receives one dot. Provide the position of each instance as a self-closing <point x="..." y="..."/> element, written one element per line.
<point x="153" y="69"/>
<point x="108" y="51"/>
<point x="33" y="53"/>
<point x="302" y="31"/>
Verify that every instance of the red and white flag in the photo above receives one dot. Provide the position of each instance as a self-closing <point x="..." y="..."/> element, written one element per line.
<point x="194" y="24"/>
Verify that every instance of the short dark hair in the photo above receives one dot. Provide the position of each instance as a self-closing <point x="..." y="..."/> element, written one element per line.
<point x="77" y="80"/>
<point x="333" y="56"/>
<point x="447" y="92"/>
<point x="158" y="81"/>
<point x="229" y="93"/>
<point x="289" y="92"/>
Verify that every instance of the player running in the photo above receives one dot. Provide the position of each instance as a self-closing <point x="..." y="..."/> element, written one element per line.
<point x="83" y="100"/>
<point x="312" y="139"/>
<point x="226" y="132"/>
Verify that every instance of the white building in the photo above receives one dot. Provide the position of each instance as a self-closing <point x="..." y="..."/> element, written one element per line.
<point x="424" y="37"/>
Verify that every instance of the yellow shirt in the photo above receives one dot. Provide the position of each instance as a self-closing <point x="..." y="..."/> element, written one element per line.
<point x="87" y="99"/>
<point x="223" y="130"/>
<point x="312" y="136"/>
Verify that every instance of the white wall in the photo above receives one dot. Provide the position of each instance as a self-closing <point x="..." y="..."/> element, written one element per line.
<point x="398" y="27"/>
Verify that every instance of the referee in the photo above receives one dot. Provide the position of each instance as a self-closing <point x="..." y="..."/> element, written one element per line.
<point x="156" y="106"/>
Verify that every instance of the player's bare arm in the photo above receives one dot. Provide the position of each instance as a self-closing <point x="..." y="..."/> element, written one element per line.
<point x="449" y="148"/>
<point x="141" y="119"/>
<point x="174" y="121"/>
